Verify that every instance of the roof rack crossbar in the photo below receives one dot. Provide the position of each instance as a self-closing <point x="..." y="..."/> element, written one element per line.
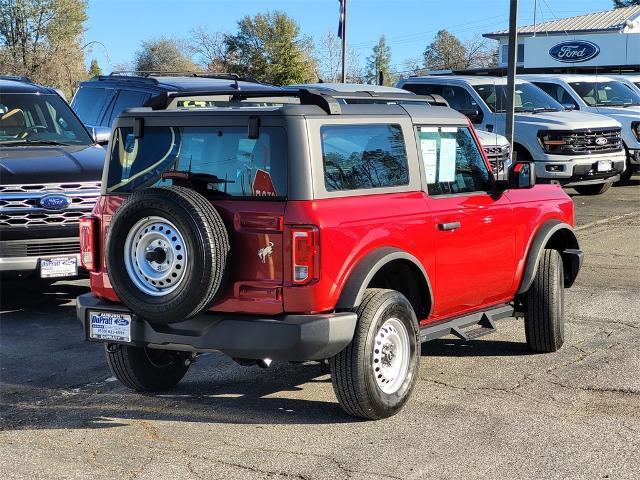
<point x="328" y="101"/>
<point x="16" y="78"/>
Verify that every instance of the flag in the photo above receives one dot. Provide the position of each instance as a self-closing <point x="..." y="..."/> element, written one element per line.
<point x="341" y="22"/>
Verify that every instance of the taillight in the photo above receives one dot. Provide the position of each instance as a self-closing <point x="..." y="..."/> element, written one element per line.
<point x="305" y="243"/>
<point x="88" y="253"/>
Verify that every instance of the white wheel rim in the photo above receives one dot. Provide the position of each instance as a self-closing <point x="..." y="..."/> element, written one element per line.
<point x="391" y="354"/>
<point x="155" y="256"/>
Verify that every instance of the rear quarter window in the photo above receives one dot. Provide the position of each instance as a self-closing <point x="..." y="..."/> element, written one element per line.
<point x="357" y="157"/>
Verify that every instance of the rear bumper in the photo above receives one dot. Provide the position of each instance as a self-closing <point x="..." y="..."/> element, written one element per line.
<point x="286" y="337"/>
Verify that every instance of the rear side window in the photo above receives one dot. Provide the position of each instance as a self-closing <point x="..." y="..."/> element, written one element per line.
<point x="452" y="161"/>
<point x="357" y="157"/>
<point x="89" y="102"/>
<point x="127" y="99"/>
<point x="229" y="163"/>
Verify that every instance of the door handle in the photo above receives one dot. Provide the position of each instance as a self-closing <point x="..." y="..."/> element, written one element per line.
<point x="448" y="226"/>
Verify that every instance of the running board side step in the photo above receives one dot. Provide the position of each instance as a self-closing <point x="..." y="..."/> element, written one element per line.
<point x="483" y="323"/>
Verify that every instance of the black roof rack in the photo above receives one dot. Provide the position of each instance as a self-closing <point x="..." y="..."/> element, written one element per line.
<point x="16" y="78"/>
<point x="149" y="75"/>
<point x="326" y="100"/>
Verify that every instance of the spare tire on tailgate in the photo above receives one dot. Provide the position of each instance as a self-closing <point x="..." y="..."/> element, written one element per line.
<point x="166" y="253"/>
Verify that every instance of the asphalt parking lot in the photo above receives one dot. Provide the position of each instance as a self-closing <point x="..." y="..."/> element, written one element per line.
<point x="482" y="409"/>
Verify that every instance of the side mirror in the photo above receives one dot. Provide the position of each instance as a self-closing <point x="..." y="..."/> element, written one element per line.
<point x="569" y="106"/>
<point x="473" y="114"/>
<point x="522" y="175"/>
<point x="101" y="135"/>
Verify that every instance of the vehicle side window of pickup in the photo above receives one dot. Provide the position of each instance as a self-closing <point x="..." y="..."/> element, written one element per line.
<point x="452" y="160"/>
<point x="126" y="99"/>
<point x="557" y="92"/>
<point x="459" y="99"/>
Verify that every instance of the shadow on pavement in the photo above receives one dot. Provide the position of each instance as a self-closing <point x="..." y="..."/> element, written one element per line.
<point x="473" y="348"/>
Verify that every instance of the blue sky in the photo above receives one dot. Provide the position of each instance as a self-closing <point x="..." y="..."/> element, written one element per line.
<point x="409" y="25"/>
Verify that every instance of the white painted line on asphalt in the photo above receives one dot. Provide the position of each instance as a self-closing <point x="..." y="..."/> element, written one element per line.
<point x="605" y="220"/>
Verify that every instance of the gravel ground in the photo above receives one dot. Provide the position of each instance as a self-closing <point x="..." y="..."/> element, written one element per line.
<point x="481" y="409"/>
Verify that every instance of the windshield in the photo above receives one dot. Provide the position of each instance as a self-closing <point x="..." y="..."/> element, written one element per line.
<point x="36" y="119"/>
<point x="528" y="98"/>
<point x="606" y="94"/>
<point x="223" y="160"/>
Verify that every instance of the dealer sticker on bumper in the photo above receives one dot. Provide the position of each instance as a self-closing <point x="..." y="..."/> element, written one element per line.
<point x="110" y="326"/>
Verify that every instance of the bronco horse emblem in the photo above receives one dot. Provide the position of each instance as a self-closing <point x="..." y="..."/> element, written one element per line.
<point x="263" y="253"/>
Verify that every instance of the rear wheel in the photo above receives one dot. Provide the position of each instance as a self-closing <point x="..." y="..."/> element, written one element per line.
<point x="544" y="315"/>
<point x="596" y="189"/>
<point x="145" y="369"/>
<point x="374" y="376"/>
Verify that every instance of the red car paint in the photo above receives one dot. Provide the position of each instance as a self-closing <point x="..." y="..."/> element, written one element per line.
<point x="474" y="266"/>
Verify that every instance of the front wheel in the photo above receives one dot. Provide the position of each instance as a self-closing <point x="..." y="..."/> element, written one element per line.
<point x="374" y="375"/>
<point x="596" y="189"/>
<point x="544" y="315"/>
<point x="145" y="369"/>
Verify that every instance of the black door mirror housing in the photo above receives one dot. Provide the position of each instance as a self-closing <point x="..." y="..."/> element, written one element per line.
<point x="473" y="114"/>
<point x="522" y="175"/>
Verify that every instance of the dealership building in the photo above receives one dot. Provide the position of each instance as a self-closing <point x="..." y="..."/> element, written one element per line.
<point x="597" y="41"/>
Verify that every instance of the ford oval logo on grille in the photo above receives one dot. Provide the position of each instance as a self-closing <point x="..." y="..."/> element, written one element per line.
<point x="55" y="202"/>
<point x="601" y="141"/>
<point x="574" y="52"/>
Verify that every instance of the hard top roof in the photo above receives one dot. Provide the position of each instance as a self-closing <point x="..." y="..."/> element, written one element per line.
<point x="9" y="84"/>
<point x="470" y="79"/>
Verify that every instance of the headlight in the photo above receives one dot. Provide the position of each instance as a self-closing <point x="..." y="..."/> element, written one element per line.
<point x="553" y="142"/>
<point x="635" y="128"/>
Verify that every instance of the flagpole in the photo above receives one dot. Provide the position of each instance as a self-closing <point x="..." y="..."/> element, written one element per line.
<point x="344" y="41"/>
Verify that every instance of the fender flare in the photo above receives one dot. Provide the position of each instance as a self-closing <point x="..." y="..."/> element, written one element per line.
<point x="571" y="254"/>
<point x="360" y="277"/>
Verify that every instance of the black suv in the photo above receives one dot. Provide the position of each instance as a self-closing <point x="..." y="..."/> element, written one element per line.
<point x="100" y="100"/>
<point x="50" y="171"/>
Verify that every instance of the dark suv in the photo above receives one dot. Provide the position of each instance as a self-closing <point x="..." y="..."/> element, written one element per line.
<point x="50" y="171"/>
<point x="310" y="228"/>
<point x="100" y="100"/>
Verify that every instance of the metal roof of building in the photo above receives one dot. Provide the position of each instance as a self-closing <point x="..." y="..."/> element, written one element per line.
<point x="611" y="20"/>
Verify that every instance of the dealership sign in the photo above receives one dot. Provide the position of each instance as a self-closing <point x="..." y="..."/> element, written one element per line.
<point x="574" y="52"/>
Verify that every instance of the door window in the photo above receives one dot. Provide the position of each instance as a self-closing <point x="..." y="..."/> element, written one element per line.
<point x="557" y="92"/>
<point x="452" y="161"/>
<point x="89" y="103"/>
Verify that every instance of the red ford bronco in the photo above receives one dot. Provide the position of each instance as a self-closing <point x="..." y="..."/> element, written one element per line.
<point x="305" y="226"/>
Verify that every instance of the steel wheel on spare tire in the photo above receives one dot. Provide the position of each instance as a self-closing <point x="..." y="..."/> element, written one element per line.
<point x="166" y="253"/>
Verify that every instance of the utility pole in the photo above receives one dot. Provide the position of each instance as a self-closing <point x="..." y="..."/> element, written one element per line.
<point x="344" y="41"/>
<point x="512" y="59"/>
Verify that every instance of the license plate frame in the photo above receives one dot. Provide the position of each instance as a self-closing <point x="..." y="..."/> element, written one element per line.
<point x="604" y="166"/>
<point x="110" y="326"/>
<point x="58" y="267"/>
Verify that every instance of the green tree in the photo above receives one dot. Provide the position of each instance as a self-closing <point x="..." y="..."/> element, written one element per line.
<point x="379" y="61"/>
<point x="163" y="55"/>
<point x="270" y="48"/>
<point x="625" y="3"/>
<point x="42" y="40"/>
<point x="448" y="52"/>
<point x="94" y="69"/>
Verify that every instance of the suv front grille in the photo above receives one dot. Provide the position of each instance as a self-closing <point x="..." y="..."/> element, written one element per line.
<point x="497" y="156"/>
<point x="39" y="248"/>
<point x="20" y="204"/>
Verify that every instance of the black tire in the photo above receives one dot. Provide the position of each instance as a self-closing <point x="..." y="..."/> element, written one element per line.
<point x="352" y="371"/>
<point x="544" y="315"/>
<point x="205" y="238"/>
<point x="146" y="369"/>
<point x="596" y="189"/>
